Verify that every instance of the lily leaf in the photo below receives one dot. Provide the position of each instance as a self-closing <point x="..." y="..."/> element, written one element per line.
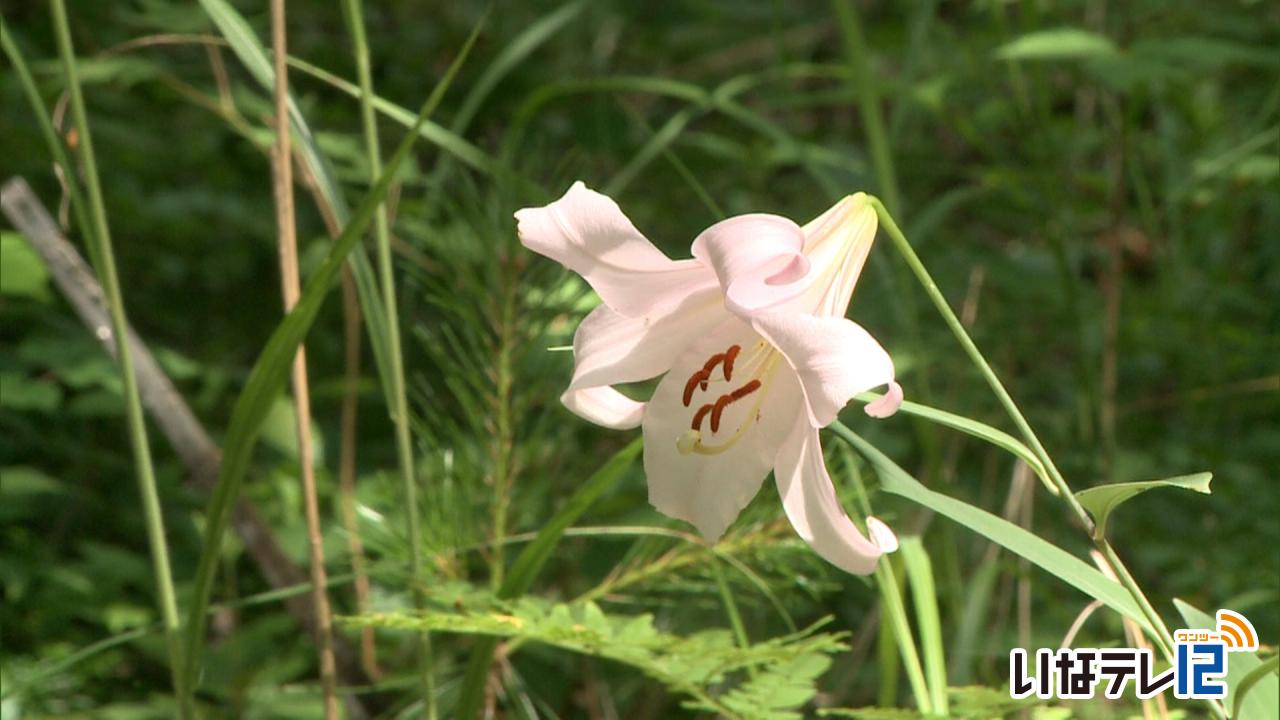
<point x="982" y="431"/>
<point x="1058" y="562"/>
<point x="1254" y="697"/>
<point x="1102" y="500"/>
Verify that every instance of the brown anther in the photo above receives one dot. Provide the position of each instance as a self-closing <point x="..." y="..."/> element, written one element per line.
<point x="697" y="417"/>
<point x="722" y="402"/>
<point x="745" y="390"/>
<point x="729" y="356"/>
<point x="695" y="380"/>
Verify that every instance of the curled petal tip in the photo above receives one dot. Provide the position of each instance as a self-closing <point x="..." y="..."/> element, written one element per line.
<point x="881" y="535"/>
<point x="886" y="405"/>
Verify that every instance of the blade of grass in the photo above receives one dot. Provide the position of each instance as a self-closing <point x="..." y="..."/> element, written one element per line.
<point x="287" y="236"/>
<point x="924" y="597"/>
<point x="272" y="368"/>
<point x="398" y="400"/>
<point x="100" y="238"/>
<point x="868" y="104"/>
<point x="255" y="58"/>
<point x="513" y="54"/>
<point x="888" y="581"/>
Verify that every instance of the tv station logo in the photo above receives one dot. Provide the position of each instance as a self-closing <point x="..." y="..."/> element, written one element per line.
<point x="1198" y="672"/>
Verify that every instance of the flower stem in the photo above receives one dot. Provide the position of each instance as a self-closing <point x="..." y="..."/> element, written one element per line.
<point x="399" y="400"/>
<point x="1162" y="635"/>
<point x="100" y="241"/>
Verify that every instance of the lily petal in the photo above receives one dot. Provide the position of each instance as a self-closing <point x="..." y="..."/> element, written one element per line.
<point x="837" y="244"/>
<point x="587" y="233"/>
<point x="811" y="504"/>
<point x="709" y="490"/>
<point x="834" y="358"/>
<point x="610" y="348"/>
<point x="604" y="406"/>
<point x="758" y="260"/>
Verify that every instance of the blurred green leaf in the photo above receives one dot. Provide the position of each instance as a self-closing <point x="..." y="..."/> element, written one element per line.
<point x="1101" y="501"/>
<point x="25" y="480"/>
<point x="22" y="272"/>
<point x="279" y="431"/>
<point x="1066" y="43"/>
<point x="19" y="392"/>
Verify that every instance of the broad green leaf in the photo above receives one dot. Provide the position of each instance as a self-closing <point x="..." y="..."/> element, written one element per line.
<point x="271" y="371"/>
<point x="1262" y="701"/>
<point x="1056" y="561"/>
<point x="22" y="272"/>
<point x="1102" y="500"/>
<point x="1066" y="43"/>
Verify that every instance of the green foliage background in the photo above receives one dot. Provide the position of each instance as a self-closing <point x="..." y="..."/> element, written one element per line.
<point x="1097" y="181"/>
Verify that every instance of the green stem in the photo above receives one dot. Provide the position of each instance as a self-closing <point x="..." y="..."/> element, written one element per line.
<point x="51" y="139"/>
<point x="1163" y="637"/>
<point x="399" y="399"/>
<point x="730" y="607"/>
<point x="100" y="239"/>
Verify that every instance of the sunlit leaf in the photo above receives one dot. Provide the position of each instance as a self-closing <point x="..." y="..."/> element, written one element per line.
<point x="1102" y="500"/>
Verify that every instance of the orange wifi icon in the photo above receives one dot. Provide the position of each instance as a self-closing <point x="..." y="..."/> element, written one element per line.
<point x="1236" y="631"/>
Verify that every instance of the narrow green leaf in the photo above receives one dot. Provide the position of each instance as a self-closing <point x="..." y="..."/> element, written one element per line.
<point x="924" y="596"/>
<point x="979" y="430"/>
<point x="466" y="152"/>
<point x="253" y="55"/>
<point x="527" y="566"/>
<point x="1065" y="43"/>
<point x="1101" y="501"/>
<point x="1056" y="561"/>
<point x="1262" y="699"/>
<point x="271" y="371"/>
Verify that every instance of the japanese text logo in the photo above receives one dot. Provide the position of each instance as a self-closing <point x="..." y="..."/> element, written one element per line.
<point x="1198" y="672"/>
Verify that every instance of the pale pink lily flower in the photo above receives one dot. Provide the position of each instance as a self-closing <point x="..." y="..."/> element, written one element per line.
<point x="754" y="349"/>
